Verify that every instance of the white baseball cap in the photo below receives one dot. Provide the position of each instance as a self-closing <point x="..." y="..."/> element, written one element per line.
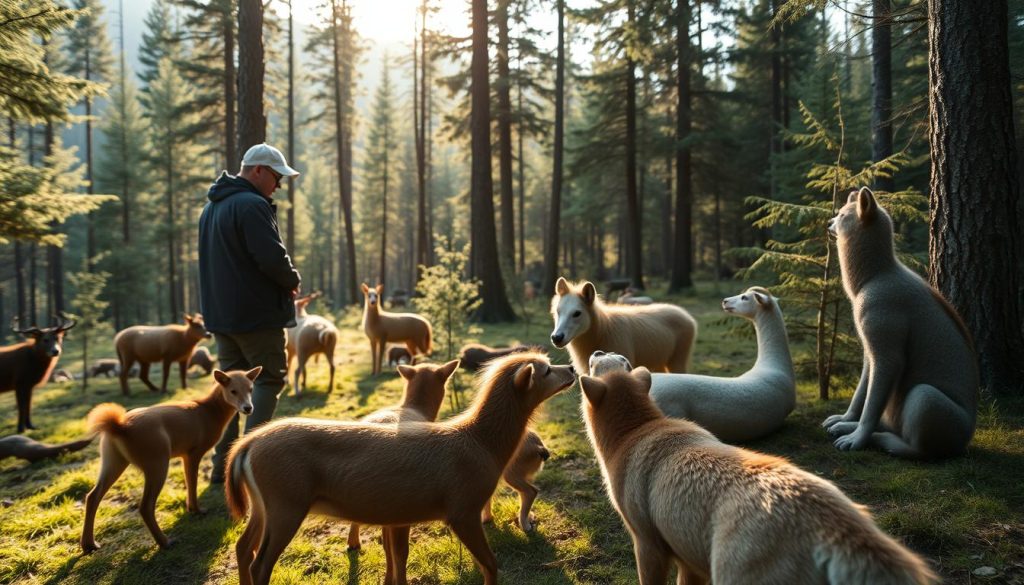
<point x="268" y="156"/>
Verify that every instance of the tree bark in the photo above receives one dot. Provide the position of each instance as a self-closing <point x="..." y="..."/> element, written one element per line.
<point x="484" y="263"/>
<point x="634" y="247"/>
<point x="252" y="122"/>
<point x="881" y="88"/>
<point x="975" y="232"/>
<point x="290" y="239"/>
<point x="554" y="217"/>
<point x="504" y="94"/>
<point x="419" y="126"/>
<point x="231" y="158"/>
<point x="682" y="254"/>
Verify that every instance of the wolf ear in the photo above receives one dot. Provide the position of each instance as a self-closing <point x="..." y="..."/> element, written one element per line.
<point x="524" y="377"/>
<point x="365" y="288"/>
<point x="221" y="377"/>
<point x="448" y="369"/>
<point x="407" y="372"/>
<point x="866" y="205"/>
<point x="594" y="389"/>
<point x="254" y="373"/>
<point x="644" y="376"/>
<point x="589" y="292"/>
<point x="561" y="286"/>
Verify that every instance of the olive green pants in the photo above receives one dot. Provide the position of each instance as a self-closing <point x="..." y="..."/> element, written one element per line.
<point x="244" y="351"/>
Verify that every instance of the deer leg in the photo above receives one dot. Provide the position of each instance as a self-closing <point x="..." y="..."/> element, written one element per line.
<point x="353" y="537"/>
<point x="303" y="358"/>
<point x="279" y="528"/>
<point x="144" y="376"/>
<point x="112" y="465"/>
<point x="155" y="473"/>
<point x="191" y="464"/>
<point x="182" y="368"/>
<point x="165" y="373"/>
<point x="399" y="545"/>
<point x="330" y="364"/>
<point x="23" y="396"/>
<point x="411" y="346"/>
<point x="245" y="548"/>
<point x="471" y="533"/>
<point x="126" y="366"/>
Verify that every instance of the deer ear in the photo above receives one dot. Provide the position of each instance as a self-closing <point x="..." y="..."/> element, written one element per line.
<point x="762" y="299"/>
<point x="594" y="389"/>
<point x="254" y="373"/>
<point x="365" y="288"/>
<point x="866" y="205"/>
<point x="644" y="376"/>
<point x="188" y="319"/>
<point x="407" y="372"/>
<point x="448" y="369"/>
<point x="561" y="286"/>
<point x="589" y="292"/>
<point x="524" y="377"/>
<point x="222" y="378"/>
<point x="380" y="288"/>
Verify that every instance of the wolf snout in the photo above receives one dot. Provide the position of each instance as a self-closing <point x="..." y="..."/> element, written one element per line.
<point x="247" y="409"/>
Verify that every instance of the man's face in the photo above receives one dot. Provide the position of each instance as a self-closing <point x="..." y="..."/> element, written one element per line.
<point x="267" y="180"/>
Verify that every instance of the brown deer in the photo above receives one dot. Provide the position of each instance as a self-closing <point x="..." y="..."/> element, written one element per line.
<point x="25" y="365"/>
<point x="383" y="327"/>
<point x="312" y="335"/>
<point x="166" y="344"/>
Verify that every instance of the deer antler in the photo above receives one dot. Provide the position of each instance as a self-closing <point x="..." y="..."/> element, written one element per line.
<point x="65" y="322"/>
<point x="14" y="327"/>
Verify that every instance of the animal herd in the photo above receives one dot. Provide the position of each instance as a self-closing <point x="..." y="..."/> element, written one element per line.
<point x="660" y="434"/>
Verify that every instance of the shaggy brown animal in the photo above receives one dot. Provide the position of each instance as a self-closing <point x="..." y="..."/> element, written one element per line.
<point x="166" y="344"/>
<point x="25" y="365"/>
<point x="25" y="448"/>
<point x="392" y="476"/>
<point x="149" y="437"/>
<point x="473" y="356"/>
<point x="519" y="473"/>
<point x="382" y="327"/>
<point x="723" y="514"/>
<point x="421" y="401"/>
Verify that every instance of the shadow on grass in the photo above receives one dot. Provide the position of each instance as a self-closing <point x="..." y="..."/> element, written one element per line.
<point x="196" y="543"/>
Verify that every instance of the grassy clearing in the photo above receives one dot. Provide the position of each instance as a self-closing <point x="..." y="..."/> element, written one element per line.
<point x="961" y="514"/>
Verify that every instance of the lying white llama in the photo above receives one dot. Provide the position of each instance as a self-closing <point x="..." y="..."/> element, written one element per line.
<point x="746" y="407"/>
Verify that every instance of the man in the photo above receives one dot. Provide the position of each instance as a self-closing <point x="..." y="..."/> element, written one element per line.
<point x="247" y="282"/>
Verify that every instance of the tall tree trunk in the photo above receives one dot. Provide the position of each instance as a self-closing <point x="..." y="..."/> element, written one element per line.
<point x="90" y="245"/>
<point x="55" y="254"/>
<point x="484" y="263"/>
<point x="384" y="218"/>
<point x="252" y="122"/>
<point x="634" y="246"/>
<point x="504" y="91"/>
<point x="881" y="88"/>
<point x="554" y="216"/>
<point x="126" y="232"/>
<point x="291" y="130"/>
<point x="33" y="312"/>
<point x="231" y="156"/>
<point x="776" y="136"/>
<point x="419" y="129"/>
<point x="975" y="232"/>
<point x="172" y="246"/>
<point x="522" y="186"/>
<point x="682" y="255"/>
<point x="19" y="283"/>
<point x="346" y="249"/>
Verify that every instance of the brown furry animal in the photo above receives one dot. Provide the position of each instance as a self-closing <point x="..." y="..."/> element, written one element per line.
<point x="383" y="327"/>
<point x="474" y="356"/>
<point x="201" y="357"/>
<point x="25" y="448"/>
<point x="106" y="366"/>
<point x="659" y="337"/>
<point x="397" y="354"/>
<point x="166" y="344"/>
<point x="723" y="514"/>
<point x="149" y="437"/>
<point x="421" y="401"/>
<point x="519" y="473"/>
<point x="25" y="365"/>
<point x="393" y="476"/>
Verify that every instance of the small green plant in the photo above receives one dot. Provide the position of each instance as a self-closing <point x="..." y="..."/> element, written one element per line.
<point x="448" y="299"/>
<point x="89" y="312"/>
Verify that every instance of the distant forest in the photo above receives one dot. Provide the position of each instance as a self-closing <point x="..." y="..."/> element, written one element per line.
<point x="659" y="141"/>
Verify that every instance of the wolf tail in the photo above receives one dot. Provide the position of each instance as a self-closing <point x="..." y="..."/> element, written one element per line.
<point x="235" y="484"/>
<point x="106" y="418"/>
<point x="873" y="559"/>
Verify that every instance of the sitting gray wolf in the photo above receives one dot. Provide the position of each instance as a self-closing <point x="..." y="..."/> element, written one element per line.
<point x="918" y="392"/>
<point x="723" y="514"/>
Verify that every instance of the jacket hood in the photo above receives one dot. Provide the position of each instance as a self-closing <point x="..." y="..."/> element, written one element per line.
<point x="227" y="185"/>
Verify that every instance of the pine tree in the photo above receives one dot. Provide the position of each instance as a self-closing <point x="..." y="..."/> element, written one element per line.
<point x="378" y="168"/>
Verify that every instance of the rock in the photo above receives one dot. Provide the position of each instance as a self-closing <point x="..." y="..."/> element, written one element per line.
<point x="985" y="572"/>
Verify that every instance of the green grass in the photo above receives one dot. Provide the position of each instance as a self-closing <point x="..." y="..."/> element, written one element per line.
<point x="961" y="514"/>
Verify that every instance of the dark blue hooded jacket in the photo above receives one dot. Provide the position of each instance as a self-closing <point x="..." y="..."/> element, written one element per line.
<point x="245" y="274"/>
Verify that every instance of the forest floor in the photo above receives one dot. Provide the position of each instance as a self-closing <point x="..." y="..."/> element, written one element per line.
<point x="962" y="514"/>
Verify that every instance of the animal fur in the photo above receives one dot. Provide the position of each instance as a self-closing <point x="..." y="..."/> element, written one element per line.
<point x="421" y="401"/>
<point x="149" y="437"/>
<point x="201" y="357"/>
<point x="397" y="354"/>
<point x="106" y="366"/>
<point x="746" y="407"/>
<point x="386" y="475"/>
<point x="382" y="327"/>
<point x="659" y="337"/>
<point x="25" y="448"/>
<point x="918" y="391"/>
<point x="474" y="356"/>
<point x="166" y="344"/>
<point x="25" y="365"/>
<point x="519" y="473"/>
<point x="727" y="515"/>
